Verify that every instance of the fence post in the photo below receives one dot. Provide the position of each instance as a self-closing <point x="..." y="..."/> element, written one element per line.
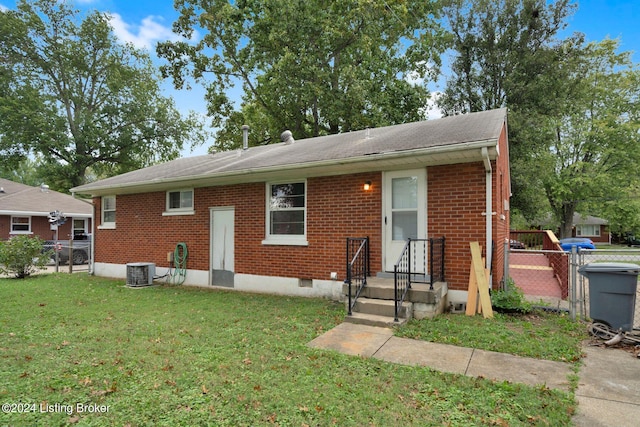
<point x="70" y="256"/>
<point x="573" y="282"/>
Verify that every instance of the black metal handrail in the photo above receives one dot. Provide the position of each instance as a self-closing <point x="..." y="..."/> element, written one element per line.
<point x="357" y="267"/>
<point x="412" y="267"/>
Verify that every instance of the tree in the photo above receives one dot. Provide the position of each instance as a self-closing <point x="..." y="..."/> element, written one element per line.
<point x="503" y="51"/>
<point x="25" y="172"/>
<point x="506" y="54"/>
<point x="313" y="67"/>
<point x="596" y="145"/>
<point x="73" y="95"/>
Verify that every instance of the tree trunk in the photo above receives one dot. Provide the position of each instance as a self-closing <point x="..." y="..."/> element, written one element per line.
<point x="566" y="222"/>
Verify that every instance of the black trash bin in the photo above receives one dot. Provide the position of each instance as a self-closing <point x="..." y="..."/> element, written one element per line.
<point x="612" y="293"/>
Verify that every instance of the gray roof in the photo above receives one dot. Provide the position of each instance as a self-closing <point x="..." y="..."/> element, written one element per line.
<point x="588" y="220"/>
<point x="21" y="199"/>
<point x="449" y="140"/>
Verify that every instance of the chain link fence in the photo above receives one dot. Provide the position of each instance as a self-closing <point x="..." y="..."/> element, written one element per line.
<point x="70" y="255"/>
<point x="550" y="278"/>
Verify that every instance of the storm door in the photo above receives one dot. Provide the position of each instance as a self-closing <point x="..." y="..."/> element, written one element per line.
<point x="405" y="207"/>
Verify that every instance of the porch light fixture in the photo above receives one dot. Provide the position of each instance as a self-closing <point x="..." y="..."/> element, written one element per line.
<point x="367" y="185"/>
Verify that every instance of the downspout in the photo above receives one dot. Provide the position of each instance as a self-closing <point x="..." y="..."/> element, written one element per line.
<point x="488" y="213"/>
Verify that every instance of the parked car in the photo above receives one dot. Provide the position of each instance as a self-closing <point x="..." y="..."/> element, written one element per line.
<point x="514" y="244"/>
<point x="81" y="249"/>
<point x="633" y="241"/>
<point x="579" y="242"/>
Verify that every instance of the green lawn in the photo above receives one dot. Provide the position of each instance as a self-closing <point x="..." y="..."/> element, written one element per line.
<point x="187" y="356"/>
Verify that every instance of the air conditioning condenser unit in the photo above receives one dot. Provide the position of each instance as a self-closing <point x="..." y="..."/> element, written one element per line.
<point x="140" y="273"/>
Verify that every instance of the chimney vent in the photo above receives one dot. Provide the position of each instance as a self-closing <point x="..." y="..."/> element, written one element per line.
<point x="245" y="137"/>
<point x="287" y="137"/>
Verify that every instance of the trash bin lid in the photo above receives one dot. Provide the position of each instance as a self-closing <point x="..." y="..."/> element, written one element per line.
<point x="610" y="267"/>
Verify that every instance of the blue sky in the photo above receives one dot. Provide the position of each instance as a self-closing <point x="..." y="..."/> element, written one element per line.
<point x="145" y="22"/>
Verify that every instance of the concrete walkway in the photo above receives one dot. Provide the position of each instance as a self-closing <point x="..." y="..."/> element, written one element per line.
<point x="608" y="392"/>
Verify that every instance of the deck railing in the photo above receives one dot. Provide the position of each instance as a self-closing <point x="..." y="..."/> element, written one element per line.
<point x="546" y="241"/>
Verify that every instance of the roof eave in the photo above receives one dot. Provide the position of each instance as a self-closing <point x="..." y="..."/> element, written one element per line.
<point x="41" y="213"/>
<point x="431" y="156"/>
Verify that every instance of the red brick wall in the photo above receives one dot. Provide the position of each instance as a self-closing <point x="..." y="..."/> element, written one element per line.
<point x="5" y="226"/>
<point x="501" y="193"/>
<point x="39" y="227"/>
<point x="143" y="234"/>
<point x="455" y="203"/>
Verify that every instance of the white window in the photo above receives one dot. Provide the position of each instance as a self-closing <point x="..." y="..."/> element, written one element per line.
<point x="179" y="202"/>
<point x="588" y="230"/>
<point x="108" y="212"/>
<point x="286" y="214"/>
<point x="20" y="224"/>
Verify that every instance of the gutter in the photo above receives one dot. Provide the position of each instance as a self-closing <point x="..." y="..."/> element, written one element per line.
<point x="241" y="175"/>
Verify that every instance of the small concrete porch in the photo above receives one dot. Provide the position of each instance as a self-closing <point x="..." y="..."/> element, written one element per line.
<point x="376" y="307"/>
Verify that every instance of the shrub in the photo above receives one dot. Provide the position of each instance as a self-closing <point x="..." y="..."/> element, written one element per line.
<point x="510" y="299"/>
<point x="22" y="255"/>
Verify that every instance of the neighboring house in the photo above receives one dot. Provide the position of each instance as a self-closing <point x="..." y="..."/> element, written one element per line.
<point x="275" y="218"/>
<point x="596" y="229"/>
<point x="25" y="210"/>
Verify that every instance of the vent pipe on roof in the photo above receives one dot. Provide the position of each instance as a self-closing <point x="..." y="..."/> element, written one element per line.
<point x="245" y="137"/>
<point x="287" y="137"/>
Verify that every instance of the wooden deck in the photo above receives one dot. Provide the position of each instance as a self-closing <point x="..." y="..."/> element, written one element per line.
<point x="531" y="273"/>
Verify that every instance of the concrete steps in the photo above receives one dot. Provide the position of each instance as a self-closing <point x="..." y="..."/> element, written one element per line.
<point x="376" y="306"/>
<point x="374" y="320"/>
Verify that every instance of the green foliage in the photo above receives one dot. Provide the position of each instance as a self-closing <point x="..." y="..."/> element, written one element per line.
<point x="22" y="255"/>
<point x="510" y="299"/>
<point x="191" y="356"/>
<point x="573" y="107"/>
<point x="490" y="37"/>
<point x="313" y="67"/>
<point x="594" y="152"/>
<point x="71" y="93"/>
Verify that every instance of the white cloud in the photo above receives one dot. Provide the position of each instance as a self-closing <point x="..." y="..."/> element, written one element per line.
<point x="145" y="35"/>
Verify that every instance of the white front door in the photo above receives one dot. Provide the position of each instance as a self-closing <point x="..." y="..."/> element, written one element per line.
<point x="405" y="211"/>
<point x="222" y="246"/>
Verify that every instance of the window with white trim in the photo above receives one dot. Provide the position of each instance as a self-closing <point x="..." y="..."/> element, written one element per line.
<point x="179" y="202"/>
<point x="20" y="224"/>
<point x="588" y="230"/>
<point x="286" y="213"/>
<point x="108" y="211"/>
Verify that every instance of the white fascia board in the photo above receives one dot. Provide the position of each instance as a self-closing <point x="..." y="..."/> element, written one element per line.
<point x="40" y="213"/>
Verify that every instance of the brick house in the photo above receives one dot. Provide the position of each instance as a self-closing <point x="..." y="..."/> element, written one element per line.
<point x="594" y="228"/>
<point x="24" y="210"/>
<point x="275" y="218"/>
